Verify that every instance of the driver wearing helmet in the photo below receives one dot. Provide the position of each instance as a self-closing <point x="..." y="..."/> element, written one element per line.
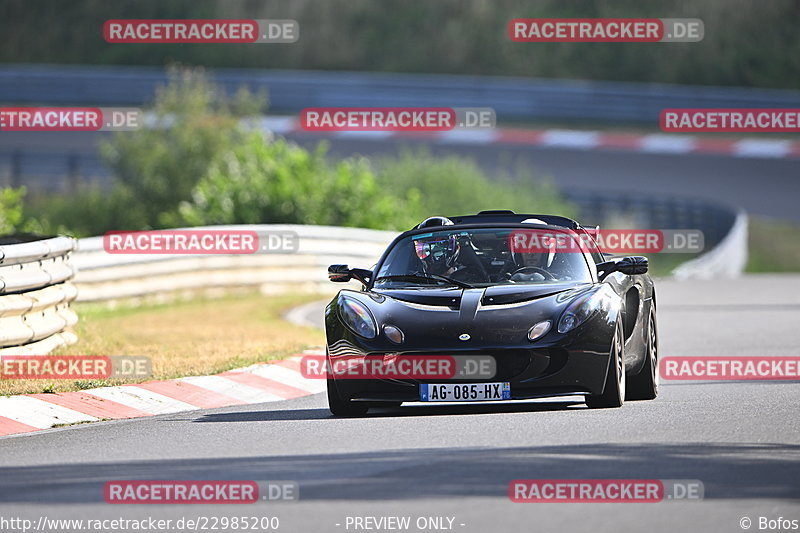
<point x="449" y="255"/>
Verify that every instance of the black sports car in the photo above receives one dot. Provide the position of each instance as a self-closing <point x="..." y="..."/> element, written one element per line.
<point x="532" y="293"/>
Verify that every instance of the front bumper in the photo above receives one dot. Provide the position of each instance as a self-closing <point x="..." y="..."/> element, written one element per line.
<point x="532" y="373"/>
<point x="554" y="365"/>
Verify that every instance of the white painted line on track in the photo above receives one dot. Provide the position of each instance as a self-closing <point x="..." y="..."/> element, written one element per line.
<point x="38" y="413"/>
<point x="762" y="148"/>
<point x="467" y="136"/>
<point x="288" y="377"/>
<point x="142" y="399"/>
<point x="571" y="139"/>
<point x="238" y="391"/>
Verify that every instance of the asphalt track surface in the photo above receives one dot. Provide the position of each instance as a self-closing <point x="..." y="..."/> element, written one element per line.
<point x="741" y="439"/>
<point x="762" y="186"/>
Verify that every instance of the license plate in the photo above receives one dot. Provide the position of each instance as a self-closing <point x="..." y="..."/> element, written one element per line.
<point x="464" y="392"/>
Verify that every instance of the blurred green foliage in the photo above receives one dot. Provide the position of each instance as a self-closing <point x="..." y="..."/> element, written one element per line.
<point x="276" y="181"/>
<point x="88" y="211"/>
<point x="199" y="163"/>
<point x="451" y="185"/>
<point x="747" y="42"/>
<point x="15" y="220"/>
<point x="11" y="211"/>
<point x="773" y="245"/>
<point x="194" y="123"/>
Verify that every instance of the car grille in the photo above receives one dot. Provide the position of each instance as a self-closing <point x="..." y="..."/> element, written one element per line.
<point x="510" y="363"/>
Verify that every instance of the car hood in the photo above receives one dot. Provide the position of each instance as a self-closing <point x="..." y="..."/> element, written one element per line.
<point x="494" y="295"/>
<point x="497" y="315"/>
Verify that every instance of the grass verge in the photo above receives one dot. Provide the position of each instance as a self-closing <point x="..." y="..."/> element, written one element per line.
<point x="774" y="245"/>
<point x="196" y="337"/>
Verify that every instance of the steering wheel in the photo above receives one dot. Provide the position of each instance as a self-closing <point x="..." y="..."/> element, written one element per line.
<point x="547" y="275"/>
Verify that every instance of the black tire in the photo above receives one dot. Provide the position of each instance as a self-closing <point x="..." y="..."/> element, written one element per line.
<point x="644" y="385"/>
<point x="614" y="391"/>
<point x="340" y="407"/>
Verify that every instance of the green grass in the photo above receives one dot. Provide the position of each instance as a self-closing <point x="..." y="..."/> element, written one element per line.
<point x="196" y="337"/>
<point x="774" y="245"/>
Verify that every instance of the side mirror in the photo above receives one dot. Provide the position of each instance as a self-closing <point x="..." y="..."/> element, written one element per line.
<point x="342" y="274"/>
<point x="631" y="266"/>
<point x="339" y="273"/>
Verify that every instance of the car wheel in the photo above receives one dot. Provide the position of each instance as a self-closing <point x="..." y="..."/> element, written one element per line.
<point x="340" y="407"/>
<point x="644" y="385"/>
<point x="614" y="392"/>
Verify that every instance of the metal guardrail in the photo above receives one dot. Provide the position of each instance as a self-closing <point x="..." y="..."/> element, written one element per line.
<point x="726" y="260"/>
<point x="35" y="287"/>
<point x="724" y="228"/>
<point x="35" y="293"/>
<point x="612" y="208"/>
<point x="511" y="97"/>
<point x="102" y="276"/>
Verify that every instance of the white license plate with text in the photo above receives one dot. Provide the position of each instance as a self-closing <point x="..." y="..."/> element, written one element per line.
<point x="464" y="392"/>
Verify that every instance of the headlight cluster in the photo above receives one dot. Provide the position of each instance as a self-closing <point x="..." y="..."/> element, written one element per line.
<point x="357" y="318"/>
<point x="579" y="311"/>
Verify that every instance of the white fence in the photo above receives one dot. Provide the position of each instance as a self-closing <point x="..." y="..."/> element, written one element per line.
<point x="35" y="293"/>
<point x="103" y="276"/>
<point x="35" y="286"/>
<point x="727" y="259"/>
<point x="106" y="277"/>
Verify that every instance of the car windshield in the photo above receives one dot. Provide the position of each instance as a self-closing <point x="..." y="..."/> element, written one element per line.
<point x="486" y="256"/>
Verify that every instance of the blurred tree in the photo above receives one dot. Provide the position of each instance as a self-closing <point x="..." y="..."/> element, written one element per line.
<point x="11" y="211"/>
<point x="199" y="163"/>
<point x="263" y="181"/>
<point x="747" y="42"/>
<point x="453" y="185"/>
<point x="194" y="122"/>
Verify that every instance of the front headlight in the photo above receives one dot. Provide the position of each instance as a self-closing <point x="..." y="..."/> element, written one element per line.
<point x="579" y="311"/>
<point x="357" y="318"/>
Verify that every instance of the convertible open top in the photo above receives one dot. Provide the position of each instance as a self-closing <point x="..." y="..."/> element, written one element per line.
<point x="510" y="217"/>
<point x="495" y="217"/>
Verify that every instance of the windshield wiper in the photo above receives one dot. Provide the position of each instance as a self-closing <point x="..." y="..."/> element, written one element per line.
<point x="418" y="277"/>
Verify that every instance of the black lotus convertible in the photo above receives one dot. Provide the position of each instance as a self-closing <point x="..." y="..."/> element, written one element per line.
<point x="531" y="293"/>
